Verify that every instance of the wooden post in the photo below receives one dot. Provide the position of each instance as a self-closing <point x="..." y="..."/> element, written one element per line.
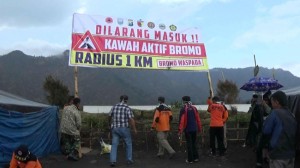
<point x="210" y="83"/>
<point x="238" y="130"/>
<point x="91" y="135"/>
<point x="211" y="94"/>
<point x="76" y="81"/>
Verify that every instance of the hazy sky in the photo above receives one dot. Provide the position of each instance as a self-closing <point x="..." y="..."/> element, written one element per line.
<point x="232" y="30"/>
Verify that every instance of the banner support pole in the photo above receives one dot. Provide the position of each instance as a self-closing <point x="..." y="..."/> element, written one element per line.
<point x="210" y="83"/>
<point x="76" y="81"/>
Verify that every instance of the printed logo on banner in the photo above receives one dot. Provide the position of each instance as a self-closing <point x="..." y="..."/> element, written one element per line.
<point x="130" y="22"/>
<point x="87" y="43"/>
<point x="162" y="26"/>
<point x="173" y="27"/>
<point x="140" y="23"/>
<point x="108" y="20"/>
<point x="151" y="25"/>
<point x="120" y="21"/>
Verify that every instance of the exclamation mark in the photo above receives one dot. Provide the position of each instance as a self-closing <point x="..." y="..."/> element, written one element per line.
<point x="192" y="38"/>
<point x="196" y="38"/>
<point x="104" y="31"/>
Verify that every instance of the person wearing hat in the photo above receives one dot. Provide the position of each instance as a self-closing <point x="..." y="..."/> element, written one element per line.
<point x="120" y="116"/>
<point x="216" y="128"/>
<point x="161" y="122"/>
<point x="70" y="130"/>
<point x="23" y="158"/>
<point x="190" y="124"/>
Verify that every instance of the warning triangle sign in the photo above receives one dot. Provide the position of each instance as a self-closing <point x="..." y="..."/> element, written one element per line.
<point x="87" y="43"/>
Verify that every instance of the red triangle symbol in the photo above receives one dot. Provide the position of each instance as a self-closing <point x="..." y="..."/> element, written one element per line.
<point x="85" y="43"/>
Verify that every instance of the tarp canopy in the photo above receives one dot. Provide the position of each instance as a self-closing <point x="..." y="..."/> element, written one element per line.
<point x="36" y="129"/>
<point x="293" y="91"/>
<point x="16" y="103"/>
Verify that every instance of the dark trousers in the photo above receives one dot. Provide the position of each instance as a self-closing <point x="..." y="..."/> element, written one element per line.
<point x="217" y="132"/>
<point x="191" y="145"/>
<point x="259" y="150"/>
<point x="70" y="145"/>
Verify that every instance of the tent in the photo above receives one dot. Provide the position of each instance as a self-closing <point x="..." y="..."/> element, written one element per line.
<point x="26" y="122"/>
<point x="294" y="105"/>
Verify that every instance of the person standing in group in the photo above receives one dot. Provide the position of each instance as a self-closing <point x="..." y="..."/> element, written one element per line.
<point x="216" y="131"/>
<point x="253" y="103"/>
<point x="161" y="122"/>
<point x="70" y="130"/>
<point x="279" y="133"/>
<point x="119" y="117"/>
<point x="23" y="158"/>
<point x="254" y="135"/>
<point x="190" y="124"/>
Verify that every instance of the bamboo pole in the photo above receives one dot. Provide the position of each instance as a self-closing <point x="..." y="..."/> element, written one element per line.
<point x="210" y="83"/>
<point x="76" y="81"/>
<point x="211" y="92"/>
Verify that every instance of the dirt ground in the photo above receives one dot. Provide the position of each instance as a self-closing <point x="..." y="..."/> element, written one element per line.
<point x="236" y="157"/>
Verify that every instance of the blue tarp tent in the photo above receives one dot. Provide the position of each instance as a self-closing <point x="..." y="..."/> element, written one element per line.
<point x="27" y="122"/>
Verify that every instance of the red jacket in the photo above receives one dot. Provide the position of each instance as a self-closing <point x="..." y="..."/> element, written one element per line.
<point x="183" y="119"/>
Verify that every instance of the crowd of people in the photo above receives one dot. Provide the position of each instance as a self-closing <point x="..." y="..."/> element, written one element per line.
<point x="189" y="125"/>
<point x="271" y="133"/>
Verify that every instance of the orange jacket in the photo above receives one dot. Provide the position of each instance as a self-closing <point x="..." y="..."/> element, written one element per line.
<point x="32" y="162"/>
<point x="161" y="119"/>
<point x="183" y="119"/>
<point x="218" y="115"/>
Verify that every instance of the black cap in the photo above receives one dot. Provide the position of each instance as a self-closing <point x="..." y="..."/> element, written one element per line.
<point x="215" y="99"/>
<point x="186" y="98"/>
<point x="161" y="99"/>
<point x="22" y="153"/>
<point x="76" y="100"/>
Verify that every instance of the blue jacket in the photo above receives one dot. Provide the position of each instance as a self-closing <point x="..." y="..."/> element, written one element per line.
<point x="189" y="119"/>
<point x="279" y="131"/>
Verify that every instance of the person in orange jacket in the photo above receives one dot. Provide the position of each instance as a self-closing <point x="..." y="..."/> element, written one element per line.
<point x="23" y="158"/>
<point x="218" y="116"/>
<point x="161" y="122"/>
